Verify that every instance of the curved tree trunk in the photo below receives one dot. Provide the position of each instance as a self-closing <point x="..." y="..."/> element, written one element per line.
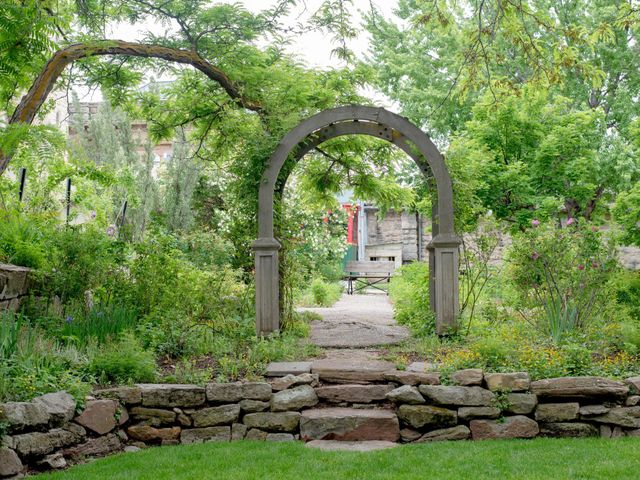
<point x="42" y="86"/>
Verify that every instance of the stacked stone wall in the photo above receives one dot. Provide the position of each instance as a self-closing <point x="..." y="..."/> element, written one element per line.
<point x="335" y="402"/>
<point x="14" y="286"/>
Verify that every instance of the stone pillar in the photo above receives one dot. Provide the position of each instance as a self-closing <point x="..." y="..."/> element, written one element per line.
<point x="267" y="285"/>
<point x="445" y="260"/>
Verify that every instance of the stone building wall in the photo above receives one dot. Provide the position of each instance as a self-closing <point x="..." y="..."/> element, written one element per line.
<point x="329" y="401"/>
<point x="398" y="227"/>
<point x="14" y="285"/>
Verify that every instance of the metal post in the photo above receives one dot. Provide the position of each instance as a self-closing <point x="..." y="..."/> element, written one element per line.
<point x="124" y="213"/>
<point x="68" y="199"/>
<point x="23" y="178"/>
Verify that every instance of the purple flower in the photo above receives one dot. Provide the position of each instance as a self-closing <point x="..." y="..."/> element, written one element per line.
<point x="535" y="256"/>
<point x="69" y="319"/>
<point x="570" y="221"/>
<point x="581" y="267"/>
<point x="111" y="230"/>
<point x="94" y="214"/>
<point x="535" y="222"/>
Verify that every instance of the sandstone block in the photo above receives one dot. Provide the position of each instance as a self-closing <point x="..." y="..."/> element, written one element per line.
<point x="251" y="406"/>
<point x="513" y="382"/>
<point x="126" y="395"/>
<point x="256" y="434"/>
<point x="169" y="396"/>
<point x="568" y="429"/>
<point x="521" y="403"/>
<point x="294" y="399"/>
<point x="590" y="410"/>
<point x="459" y="432"/>
<point x="147" y="433"/>
<point x="94" y="447"/>
<point x="10" y="463"/>
<point x="628" y="417"/>
<point x="153" y="416"/>
<point x="348" y="424"/>
<point x="579" y="388"/>
<point x="459" y="396"/>
<point x="338" y="371"/>
<point x="273" y="421"/>
<point x="234" y="392"/>
<point x="23" y="415"/>
<point x="60" y="406"/>
<point x="469" y="413"/>
<point x="42" y="443"/>
<point x="517" y="426"/>
<point x="238" y="431"/>
<point x="409" y="435"/>
<point x="557" y="412"/>
<point x="281" y="369"/>
<point x="203" y="435"/>
<point x="99" y="416"/>
<point x="468" y="377"/>
<point x="412" y="378"/>
<point x="289" y="381"/>
<point x="419" y="416"/>
<point x="353" y="393"/>
<point x="213" y="416"/>
<point x="406" y="394"/>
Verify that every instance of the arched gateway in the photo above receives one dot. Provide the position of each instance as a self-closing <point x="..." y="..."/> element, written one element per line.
<point x="376" y="122"/>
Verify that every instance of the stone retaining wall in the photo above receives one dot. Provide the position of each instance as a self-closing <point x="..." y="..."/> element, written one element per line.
<point x="14" y="285"/>
<point x="330" y="404"/>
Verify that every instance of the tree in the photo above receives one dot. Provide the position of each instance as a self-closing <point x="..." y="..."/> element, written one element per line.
<point x="626" y="211"/>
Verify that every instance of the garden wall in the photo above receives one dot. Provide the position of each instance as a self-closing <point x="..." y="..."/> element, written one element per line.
<point x="14" y="285"/>
<point x="334" y="403"/>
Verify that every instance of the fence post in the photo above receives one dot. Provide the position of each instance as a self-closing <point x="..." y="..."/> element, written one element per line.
<point x="23" y="178"/>
<point x="68" y="199"/>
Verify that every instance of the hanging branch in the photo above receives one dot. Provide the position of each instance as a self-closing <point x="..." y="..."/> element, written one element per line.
<point x="42" y="86"/>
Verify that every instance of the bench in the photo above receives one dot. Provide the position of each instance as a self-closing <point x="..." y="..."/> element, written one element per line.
<point x="368" y="274"/>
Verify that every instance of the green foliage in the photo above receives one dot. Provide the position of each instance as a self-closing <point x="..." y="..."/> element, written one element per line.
<point x="101" y="324"/>
<point x="32" y="364"/>
<point x="564" y="271"/>
<point x="409" y="292"/>
<point x="627" y="214"/>
<point x="124" y="362"/>
<point x="21" y="241"/>
<point x="321" y="294"/>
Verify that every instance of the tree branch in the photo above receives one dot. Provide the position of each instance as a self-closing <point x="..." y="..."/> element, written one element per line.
<point x="30" y="104"/>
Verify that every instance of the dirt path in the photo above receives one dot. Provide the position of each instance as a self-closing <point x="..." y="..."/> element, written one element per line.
<point x="357" y="321"/>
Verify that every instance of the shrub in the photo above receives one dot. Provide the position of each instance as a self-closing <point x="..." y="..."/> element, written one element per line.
<point x="409" y="292"/>
<point x="321" y="294"/>
<point x="32" y="364"/>
<point x="124" y="362"/>
<point x="22" y="241"/>
<point x="561" y="273"/>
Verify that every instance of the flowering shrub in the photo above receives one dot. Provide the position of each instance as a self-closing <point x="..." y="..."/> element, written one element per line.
<point x="560" y="273"/>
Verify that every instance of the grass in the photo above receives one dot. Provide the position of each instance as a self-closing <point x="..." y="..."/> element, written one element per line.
<point x="509" y="459"/>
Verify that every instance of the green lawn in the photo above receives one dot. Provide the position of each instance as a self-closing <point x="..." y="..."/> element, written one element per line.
<point x="495" y="460"/>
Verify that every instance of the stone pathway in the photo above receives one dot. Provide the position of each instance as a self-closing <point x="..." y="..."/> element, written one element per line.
<point x="357" y="321"/>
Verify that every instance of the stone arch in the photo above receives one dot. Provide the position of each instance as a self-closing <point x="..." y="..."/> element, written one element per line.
<point x="376" y="122"/>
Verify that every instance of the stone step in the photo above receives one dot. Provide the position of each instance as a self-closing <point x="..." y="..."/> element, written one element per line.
<point x="363" y="371"/>
<point x="282" y="369"/>
<point x="349" y="424"/>
<point x="364" y="446"/>
<point x="353" y="393"/>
